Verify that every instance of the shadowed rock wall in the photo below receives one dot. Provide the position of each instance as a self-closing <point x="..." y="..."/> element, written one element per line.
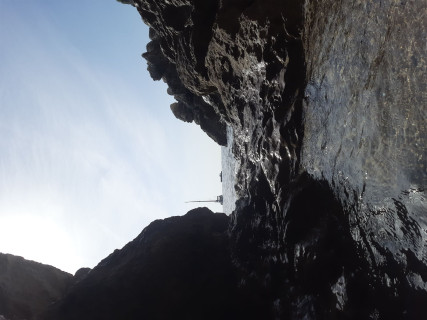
<point x="327" y="103"/>
<point x="365" y="133"/>
<point x="177" y="268"/>
<point x="326" y="100"/>
<point x="27" y="288"/>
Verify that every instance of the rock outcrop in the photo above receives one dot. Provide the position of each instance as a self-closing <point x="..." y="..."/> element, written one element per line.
<point x="28" y="288"/>
<point x="327" y="103"/>
<point x="177" y="268"/>
<point x="326" y="100"/>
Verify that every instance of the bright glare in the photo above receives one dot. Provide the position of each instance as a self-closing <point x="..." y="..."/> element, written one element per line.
<point x="90" y="152"/>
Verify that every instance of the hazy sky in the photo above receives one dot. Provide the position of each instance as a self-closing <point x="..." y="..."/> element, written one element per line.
<point x="90" y="152"/>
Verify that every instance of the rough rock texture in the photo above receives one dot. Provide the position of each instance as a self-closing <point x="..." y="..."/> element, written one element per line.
<point x="365" y="134"/>
<point x="327" y="103"/>
<point x="27" y="288"/>
<point x="177" y="268"/>
<point x="189" y="107"/>
<point x="326" y="100"/>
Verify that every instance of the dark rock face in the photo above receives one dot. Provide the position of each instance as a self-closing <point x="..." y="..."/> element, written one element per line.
<point x="365" y="133"/>
<point x="327" y="103"/>
<point x="165" y="65"/>
<point x="326" y="100"/>
<point x="177" y="268"/>
<point x="27" y="288"/>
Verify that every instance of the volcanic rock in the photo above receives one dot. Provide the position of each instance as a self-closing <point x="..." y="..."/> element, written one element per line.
<point x="326" y="100"/>
<point x="27" y="288"/>
<point x="177" y="268"/>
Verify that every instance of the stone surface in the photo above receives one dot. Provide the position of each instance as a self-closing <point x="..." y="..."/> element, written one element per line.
<point x="365" y="134"/>
<point x="327" y="103"/>
<point x="326" y="100"/>
<point x="190" y="107"/>
<point x="177" y="268"/>
<point x="27" y="288"/>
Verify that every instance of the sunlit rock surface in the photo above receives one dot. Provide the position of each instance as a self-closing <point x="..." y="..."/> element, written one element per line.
<point x="327" y="103"/>
<point x="28" y="288"/>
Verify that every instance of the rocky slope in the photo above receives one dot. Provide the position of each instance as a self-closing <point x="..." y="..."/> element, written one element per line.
<point x="177" y="268"/>
<point x="28" y="288"/>
<point x="327" y="103"/>
<point x="326" y="100"/>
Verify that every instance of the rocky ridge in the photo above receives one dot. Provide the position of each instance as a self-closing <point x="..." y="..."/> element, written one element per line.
<point x="326" y="100"/>
<point x="28" y="288"/>
<point x="177" y="268"/>
<point x="327" y="103"/>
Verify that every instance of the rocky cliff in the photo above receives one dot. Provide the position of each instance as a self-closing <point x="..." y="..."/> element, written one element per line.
<point x="326" y="100"/>
<point x="177" y="268"/>
<point x="327" y="103"/>
<point x="28" y="288"/>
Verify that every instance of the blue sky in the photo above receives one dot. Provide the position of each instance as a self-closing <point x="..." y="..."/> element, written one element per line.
<point x="90" y="151"/>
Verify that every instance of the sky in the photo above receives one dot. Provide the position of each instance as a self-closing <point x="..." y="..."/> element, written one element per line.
<point x="90" y="152"/>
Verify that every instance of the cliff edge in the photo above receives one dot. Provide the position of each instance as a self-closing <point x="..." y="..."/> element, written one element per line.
<point x="326" y="100"/>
